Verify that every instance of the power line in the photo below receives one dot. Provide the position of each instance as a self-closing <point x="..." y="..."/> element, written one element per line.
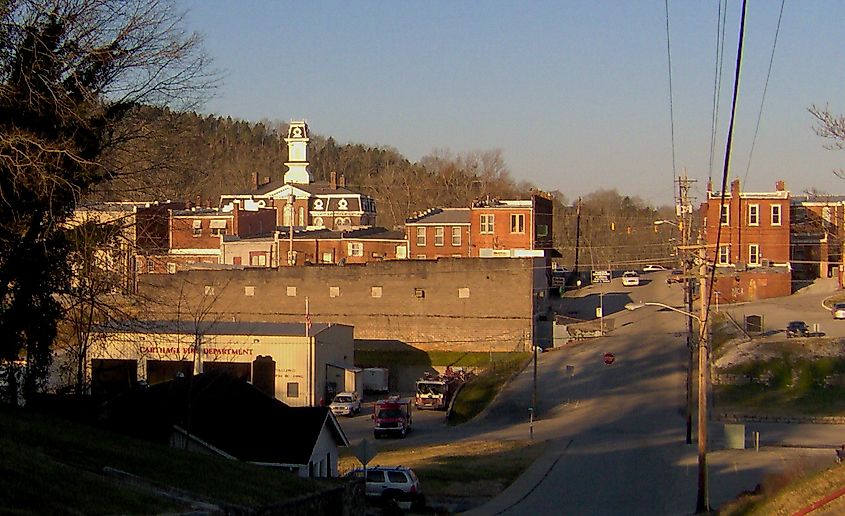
<point x="717" y="83"/>
<point x="671" y="106"/>
<point x="765" y="88"/>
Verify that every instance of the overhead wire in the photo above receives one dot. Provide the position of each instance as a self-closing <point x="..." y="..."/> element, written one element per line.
<point x="763" y="98"/>
<point x="717" y="83"/>
<point x="671" y="103"/>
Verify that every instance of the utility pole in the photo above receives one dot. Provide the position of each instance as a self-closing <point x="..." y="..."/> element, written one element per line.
<point x="703" y="500"/>
<point x="684" y="212"/>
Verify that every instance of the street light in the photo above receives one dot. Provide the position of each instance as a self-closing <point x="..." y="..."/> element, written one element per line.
<point x="702" y="502"/>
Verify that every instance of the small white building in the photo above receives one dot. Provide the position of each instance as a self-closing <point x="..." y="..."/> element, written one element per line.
<point x="301" y="366"/>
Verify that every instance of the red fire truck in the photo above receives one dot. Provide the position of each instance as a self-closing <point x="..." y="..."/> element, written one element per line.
<point x="436" y="391"/>
<point x="392" y="416"/>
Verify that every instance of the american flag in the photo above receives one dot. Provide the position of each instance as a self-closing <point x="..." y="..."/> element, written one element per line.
<point x="307" y="316"/>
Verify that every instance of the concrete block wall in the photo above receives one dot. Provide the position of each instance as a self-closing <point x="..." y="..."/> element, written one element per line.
<point x="451" y="304"/>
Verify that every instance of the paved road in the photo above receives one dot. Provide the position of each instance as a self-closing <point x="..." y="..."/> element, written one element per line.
<point x="615" y="433"/>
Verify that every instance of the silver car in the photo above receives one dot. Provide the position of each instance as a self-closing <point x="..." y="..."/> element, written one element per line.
<point x="392" y="484"/>
<point x="838" y="311"/>
<point x="346" y="404"/>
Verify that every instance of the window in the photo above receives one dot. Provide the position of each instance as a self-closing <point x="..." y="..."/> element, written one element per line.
<point x="375" y="291"/>
<point x="249" y="291"/>
<point x="775" y="214"/>
<point x="420" y="237"/>
<point x="725" y="216"/>
<point x="543" y="230"/>
<point x="334" y="291"/>
<point x="291" y="291"/>
<point x="197" y="225"/>
<point x="293" y="390"/>
<point x="724" y="254"/>
<point x="753" y="254"/>
<point x="419" y="293"/>
<point x="439" y="236"/>
<point x="487" y="224"/>
<point x="258" y="260"/>
<point x="420" y="257"/>
<point x="396" y="477"/>
<point x="218" y="227"/>
<point x="753" y="214"/>
<point x="463" y="293"/>
<point x="375" y="476"/>
<point x="326" y="257"/>
<point x="171" y="268"/>
<point x="517" y="223"/>
<point x="456" y="237"/>
<point x="356" y="249"/>
<point x="209" y="290"/>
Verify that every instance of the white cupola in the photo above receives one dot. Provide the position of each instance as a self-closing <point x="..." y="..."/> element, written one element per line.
<point x="297" y="163"/>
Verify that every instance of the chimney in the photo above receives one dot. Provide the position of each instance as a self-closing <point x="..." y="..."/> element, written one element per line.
<point x="266" y="180"/>
<point x="780" y="186"/>
<point x="255" y="180"/>
<point x="342" y="182"/>
<point x="198" y="201"/>
<point x="735" y="187"/>
<point x="709" y="185"/>
<point x="333" y="180"/>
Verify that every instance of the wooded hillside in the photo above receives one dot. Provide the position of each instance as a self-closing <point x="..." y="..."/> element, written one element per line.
<point x="193" y="157"/>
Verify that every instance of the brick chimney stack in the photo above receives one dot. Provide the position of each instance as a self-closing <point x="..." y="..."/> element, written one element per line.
<point x="333" y="180"/>
<point x="255" y="179"/>
<point x="735" y="187"/>
<point x="342" y="182"/>
<point x="780" y="186"/>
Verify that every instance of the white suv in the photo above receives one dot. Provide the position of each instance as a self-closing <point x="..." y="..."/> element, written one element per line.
<point x="630" y="279"/>
<point x="346" y="404"/>
<point x="392" y="484"/>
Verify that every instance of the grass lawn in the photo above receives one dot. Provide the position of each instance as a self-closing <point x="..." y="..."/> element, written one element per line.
<point x="790" y="492"/>
<point x="52" y="466"/>
<point x="480" y="391"/>
<point x="796" y="386"/>
<point x="375" y="358"/>
<point x="472" y="469"/>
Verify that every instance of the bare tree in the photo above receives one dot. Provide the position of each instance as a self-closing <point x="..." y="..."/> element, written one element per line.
<point x="831" y="127"/>
<point x="74" y="77"/>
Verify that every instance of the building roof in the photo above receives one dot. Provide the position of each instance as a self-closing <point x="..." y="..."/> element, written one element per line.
<point x="817" y="199"/>
<point x="228" y="413"/>
<point x="441" y="216"/>
<point x="214" y="328"/>
<point x="368" y="233"/>
<point x="203" y="212"/>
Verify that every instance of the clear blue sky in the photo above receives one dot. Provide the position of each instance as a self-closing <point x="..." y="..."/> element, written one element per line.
<point x="574" y="93"/>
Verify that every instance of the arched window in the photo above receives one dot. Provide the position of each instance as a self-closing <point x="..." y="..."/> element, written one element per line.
<point x="288" y="215"/>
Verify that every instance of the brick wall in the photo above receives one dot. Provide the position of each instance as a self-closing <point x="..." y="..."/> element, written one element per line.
<point x="458" y="304"/>
<point x="753" y="285"/>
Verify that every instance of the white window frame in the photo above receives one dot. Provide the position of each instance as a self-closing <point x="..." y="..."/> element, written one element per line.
<point x="487" y="223"/>
<point x="777" y="215"/>
<point x="724" y="255"/>
<point x="421" y="236"/>
<point x="725" y="215"/>
<point x="753" y="214"/>
<point x="356" y="249"/>
<point x="376" y="291"/>
<point x="754" y="254"/>
<point x="456" y="237"/>
<point x="439" y="236"/>
<point x="518" y="223"/>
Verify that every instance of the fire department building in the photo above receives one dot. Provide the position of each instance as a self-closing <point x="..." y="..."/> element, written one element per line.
<point x="296" y="365"/>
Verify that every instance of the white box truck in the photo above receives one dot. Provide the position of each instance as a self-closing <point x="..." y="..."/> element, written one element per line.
<point x="375" y="379"/>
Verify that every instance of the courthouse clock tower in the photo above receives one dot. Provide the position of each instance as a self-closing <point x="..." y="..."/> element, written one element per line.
<point x="297" y="163"/>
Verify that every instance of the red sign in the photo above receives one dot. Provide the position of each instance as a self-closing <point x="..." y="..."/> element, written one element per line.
<point x="609" y="358"/>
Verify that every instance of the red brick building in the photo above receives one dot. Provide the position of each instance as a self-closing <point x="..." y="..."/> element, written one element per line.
<point x="752" y="257"/>
<point x="817" y="236"/>
<point x="511" y="228"/>
<point x="315" y="247"/>
<point x="439" y="233"/>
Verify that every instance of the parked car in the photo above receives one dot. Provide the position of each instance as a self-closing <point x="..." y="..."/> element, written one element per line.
<point x="676" y="276"/>
<point x="653" y="268"/>
<point x="797" y="329"/>
<point x="630" y="279"/>
<point x="346" y="404"/>
<point x="392" y="483"/>
<point x="839" y="311"/>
